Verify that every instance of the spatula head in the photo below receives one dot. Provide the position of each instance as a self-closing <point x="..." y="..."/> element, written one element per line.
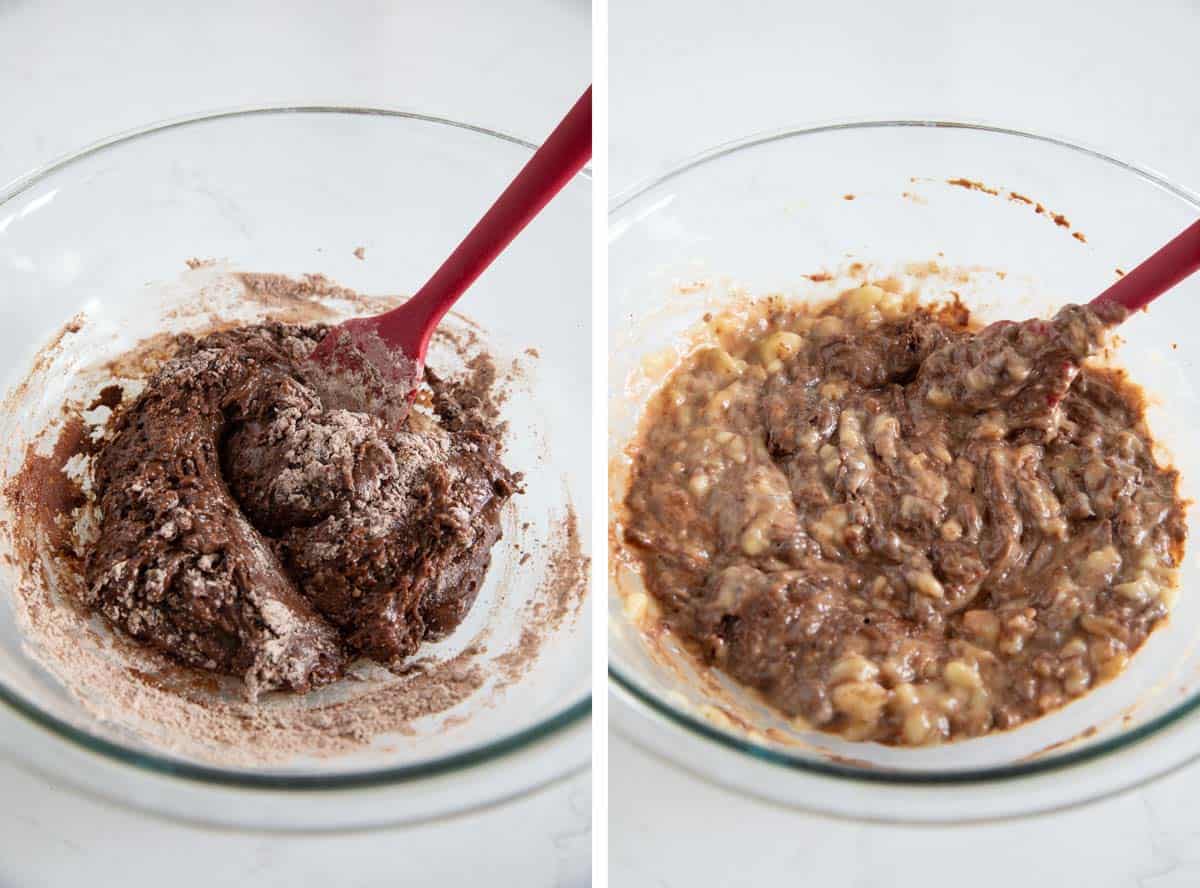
<point x="353" y="368"/>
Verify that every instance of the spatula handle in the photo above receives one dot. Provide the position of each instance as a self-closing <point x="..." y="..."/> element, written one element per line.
<point x="554" y="164"/>
<point x="1162" y="271"/>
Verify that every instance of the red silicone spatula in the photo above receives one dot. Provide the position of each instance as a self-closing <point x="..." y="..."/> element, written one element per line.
<point x="377" y="362"/>
<point x="1162" y="271"/>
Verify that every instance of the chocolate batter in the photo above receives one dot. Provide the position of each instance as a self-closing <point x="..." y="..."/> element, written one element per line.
<point x="901" y="529"/>
<point x="248" y="530"/>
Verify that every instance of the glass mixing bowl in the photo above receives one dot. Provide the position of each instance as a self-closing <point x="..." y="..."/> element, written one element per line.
<point x="297" y="190"/>
<point x="1056" y="220"/>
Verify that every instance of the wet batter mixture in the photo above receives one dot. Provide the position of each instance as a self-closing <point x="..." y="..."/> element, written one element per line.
<point x="902" y="530"/>
<point x="248" y="530"/>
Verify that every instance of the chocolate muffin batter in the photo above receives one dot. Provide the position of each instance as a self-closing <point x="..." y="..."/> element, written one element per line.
<point x="901" y="529"/>
<point x="248" y="530"/>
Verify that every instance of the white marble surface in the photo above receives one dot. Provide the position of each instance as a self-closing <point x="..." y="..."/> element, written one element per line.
<point x="52" y="837"/>
<point x="668" y="830"/>
<point x="686" y="76"/>
<point x="689" y="74"/>
<point x="73" y="72"/>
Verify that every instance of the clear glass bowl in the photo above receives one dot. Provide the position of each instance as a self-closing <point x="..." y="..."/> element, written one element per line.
<point x="297" y="190"/>
<point x="761" y="214"/>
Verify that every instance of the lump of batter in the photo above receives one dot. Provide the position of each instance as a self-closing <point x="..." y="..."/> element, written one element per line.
<point x="902" y="530"/>
<point x="248" y="530"/>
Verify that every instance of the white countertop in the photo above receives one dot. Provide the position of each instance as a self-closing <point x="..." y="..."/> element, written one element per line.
<point x="668" y="830"/>
<point x="74" y="71"/>
<point x="687" y="76"/>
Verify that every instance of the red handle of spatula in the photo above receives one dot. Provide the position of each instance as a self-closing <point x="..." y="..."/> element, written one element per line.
<point x="561" y="156"/>
<point x="1162" y="271"/>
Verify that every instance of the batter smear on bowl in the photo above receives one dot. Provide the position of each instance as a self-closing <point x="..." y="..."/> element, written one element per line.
<point x="901" y="528"/>
<point x="248" y="530"/>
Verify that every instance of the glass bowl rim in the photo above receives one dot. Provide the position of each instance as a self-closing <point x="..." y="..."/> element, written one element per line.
<point x="829" y="768"/>
<point x="162" y="765"/>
